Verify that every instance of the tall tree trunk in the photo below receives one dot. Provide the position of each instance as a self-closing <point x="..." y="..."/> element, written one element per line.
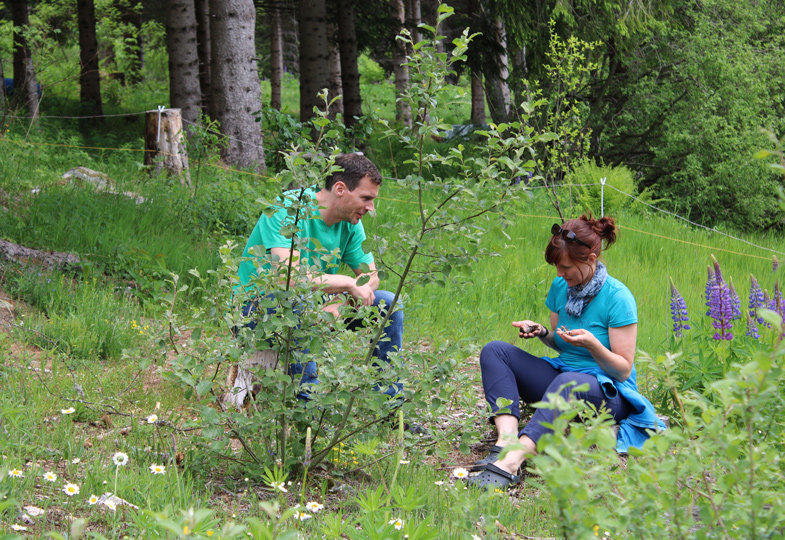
<point x="518" y="79"/>
<point x="478" y="99"/>
<point x="496" y="71"/>
<point x="403" y="111"/>
<point x="335" y="87"/>
<point x="2" y="86"/>
<point x="236" y="93"/>
<point x="413" y="19"/>
<point x="89" y="77"/>
<point x="203" y="50"/>
<point x="276" y="56"/>
<point x="291" y="40"/>
<point x="350" y="74"/>
<point x="184" y="91"/>
<point x="314" y="53"/>
<point x="25" y="83"/>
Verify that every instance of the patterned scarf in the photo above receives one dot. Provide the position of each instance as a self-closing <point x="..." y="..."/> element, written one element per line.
<point x="580" y="295"/>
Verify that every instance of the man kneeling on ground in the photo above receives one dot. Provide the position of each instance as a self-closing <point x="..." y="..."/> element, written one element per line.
<point x="333" y="223"/>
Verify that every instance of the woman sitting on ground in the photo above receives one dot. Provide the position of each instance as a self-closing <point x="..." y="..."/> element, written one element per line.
<point x="593" y="327"/>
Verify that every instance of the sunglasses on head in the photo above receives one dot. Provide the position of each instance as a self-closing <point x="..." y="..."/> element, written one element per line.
<point x="568" y="236"/>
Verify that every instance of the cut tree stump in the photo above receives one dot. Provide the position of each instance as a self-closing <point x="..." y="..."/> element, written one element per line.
<point x="49" y="259"/>
<point x="164" y="143"/>
<point x="240" y="379"/>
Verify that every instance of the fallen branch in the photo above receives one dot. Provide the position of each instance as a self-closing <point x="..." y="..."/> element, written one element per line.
<point x="49" y="259"/>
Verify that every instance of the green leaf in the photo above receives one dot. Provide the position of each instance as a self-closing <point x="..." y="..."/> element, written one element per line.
<point x="203" y="387"/>
<point x="362" y="280"/>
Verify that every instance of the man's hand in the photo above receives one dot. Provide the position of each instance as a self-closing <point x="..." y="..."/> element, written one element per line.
<point x="529" y="329"/>
<point x="363" y="293"/>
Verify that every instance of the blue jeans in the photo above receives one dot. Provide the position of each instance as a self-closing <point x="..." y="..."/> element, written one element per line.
<point x="391" y="340"/>
<point x="512" y="373"/>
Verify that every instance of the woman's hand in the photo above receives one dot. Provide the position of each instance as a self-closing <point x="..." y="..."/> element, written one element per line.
<point x="529" y="329"/>
<point x="578" y="337"/>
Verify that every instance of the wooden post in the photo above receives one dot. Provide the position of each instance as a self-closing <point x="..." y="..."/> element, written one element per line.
<point x="164" y="143"/>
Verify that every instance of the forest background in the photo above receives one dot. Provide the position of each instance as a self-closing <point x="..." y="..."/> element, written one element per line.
<point x="671" y="102"/>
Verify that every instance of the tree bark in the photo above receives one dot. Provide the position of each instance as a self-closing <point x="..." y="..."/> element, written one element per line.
<point x="25" y="83"/>
<point x="203" y="51"/>
<point x="89" y="77"/>
<point x="403" y="111"/>
<point x="478" y="100"/>
<point x="184" y="91"/>
<point x="2" y="86"/>
<point x="314" y="53"/>
<point x="335" y="87"/>
<point x="49" y="259"/>
<point x="236" y="95"/>
<point x="163" y="143"/>
<point x="413" y="19"/>
<point x="291" y="41"/>
<point x="276" y="56"/>
<point x="496" y="70"/>
<point x="350" y="74"/>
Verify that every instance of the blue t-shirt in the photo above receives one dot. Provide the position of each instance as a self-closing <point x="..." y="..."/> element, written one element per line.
<point x="613" y="306"/>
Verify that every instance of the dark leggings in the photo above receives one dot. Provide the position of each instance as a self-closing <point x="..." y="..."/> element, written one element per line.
<point x="512" y="373"/>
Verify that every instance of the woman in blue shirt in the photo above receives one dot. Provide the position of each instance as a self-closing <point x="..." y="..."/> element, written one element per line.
<point x="593" y="327"/>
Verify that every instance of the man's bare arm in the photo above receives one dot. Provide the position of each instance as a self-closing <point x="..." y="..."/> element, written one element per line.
<point x="336" y="283"/>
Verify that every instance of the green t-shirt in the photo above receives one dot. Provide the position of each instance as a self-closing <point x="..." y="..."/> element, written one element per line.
<point x="346" y="237"/>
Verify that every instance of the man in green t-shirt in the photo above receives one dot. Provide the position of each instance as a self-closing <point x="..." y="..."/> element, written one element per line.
<point x="333" y="225"/>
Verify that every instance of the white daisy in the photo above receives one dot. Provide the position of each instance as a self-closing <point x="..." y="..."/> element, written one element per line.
<point x="71" y="489"/>
<point x="157" y="469"/>
<point x="439" y="483"/>
<point x="152" y="419"/>
<point x="397" y="523"/>
<point x="16" y="473"/>
<point x="34" y="511"/>
<point x="314" y="507"/>
<point x="75" y="460"/>
<point x="302" y="516"/>
<point x="120" y="458"/>
<point x="18" y="527"/>
<point x="50" y="476"/>
<point x="110" y="504"/>
<point x="404" y="462"/>
<point x="279" y="486"/>
<point x="460" y="472"/>
<point x="92" y="500"/>
<point x="69" y="410"/>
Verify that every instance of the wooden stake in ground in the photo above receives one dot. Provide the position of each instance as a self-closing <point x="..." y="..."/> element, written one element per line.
<point x="164" y="143"/>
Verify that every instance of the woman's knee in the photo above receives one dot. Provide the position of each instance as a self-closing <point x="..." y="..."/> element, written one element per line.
<point x="493" y="353"/>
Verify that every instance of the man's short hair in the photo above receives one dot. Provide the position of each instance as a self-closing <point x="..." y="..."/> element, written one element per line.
<point x="355" y="167"/>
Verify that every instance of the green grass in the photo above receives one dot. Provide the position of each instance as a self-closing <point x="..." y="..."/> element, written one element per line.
<point x="103" y="333"/>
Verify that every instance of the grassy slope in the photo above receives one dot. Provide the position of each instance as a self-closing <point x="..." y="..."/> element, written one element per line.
<point x="476" y="306"/>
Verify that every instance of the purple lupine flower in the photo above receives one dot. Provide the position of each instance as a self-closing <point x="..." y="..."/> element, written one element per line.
<point x="775" y="263"/>
<point x="710" y="281"/>
<point x="678" y="312"/>
<point x="735" y="301"/>
<point x="775" y="304"/>
<point x="752" y="327"/>
<point x="757" y="300"/>
<point x="720" y="306"/>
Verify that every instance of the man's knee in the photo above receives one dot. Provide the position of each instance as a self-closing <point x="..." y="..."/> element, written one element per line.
<point x="386" y="298"/>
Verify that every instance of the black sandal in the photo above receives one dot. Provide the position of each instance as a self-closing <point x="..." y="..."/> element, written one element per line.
<point x="493" y="455"/>
<point x="494" y="477"/>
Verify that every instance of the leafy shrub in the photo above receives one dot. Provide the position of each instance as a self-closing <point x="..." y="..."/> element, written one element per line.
<point x="586" y="179"/>
<point x="370" y="71"/>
